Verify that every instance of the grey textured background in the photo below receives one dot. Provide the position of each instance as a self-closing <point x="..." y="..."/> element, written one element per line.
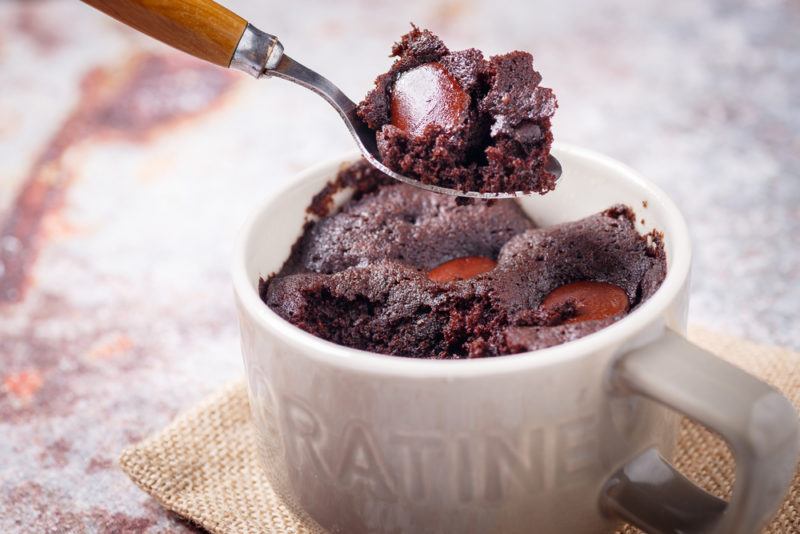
<point x="127" y="170"/>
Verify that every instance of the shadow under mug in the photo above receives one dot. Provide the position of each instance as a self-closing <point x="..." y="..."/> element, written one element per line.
<point x="573" y="438"/>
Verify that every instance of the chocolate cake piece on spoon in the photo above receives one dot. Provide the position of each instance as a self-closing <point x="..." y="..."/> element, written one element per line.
<point x="459" y="121"/>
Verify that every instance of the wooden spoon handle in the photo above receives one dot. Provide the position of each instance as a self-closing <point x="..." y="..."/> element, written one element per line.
<point x="201" y="28"/>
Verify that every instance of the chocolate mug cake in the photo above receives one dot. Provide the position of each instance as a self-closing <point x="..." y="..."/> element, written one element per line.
<point x="399" y="270"/>
<point x="457" y="120"/>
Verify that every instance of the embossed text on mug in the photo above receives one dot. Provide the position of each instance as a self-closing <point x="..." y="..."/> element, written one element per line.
<point x="477" y="469"/>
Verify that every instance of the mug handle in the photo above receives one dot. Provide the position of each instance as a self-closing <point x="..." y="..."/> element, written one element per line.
<point x="759" y="424"/>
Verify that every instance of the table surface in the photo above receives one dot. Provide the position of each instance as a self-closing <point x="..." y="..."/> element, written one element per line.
<point x="127" y="169"/>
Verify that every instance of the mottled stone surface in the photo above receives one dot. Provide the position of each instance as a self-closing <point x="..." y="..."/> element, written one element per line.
<point x="126" y="171"/>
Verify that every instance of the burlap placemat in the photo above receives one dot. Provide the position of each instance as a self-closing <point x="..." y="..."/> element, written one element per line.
<point x="204" y="465"/>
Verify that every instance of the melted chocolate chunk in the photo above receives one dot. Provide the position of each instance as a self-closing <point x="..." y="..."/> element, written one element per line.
<point x="425" y="95"/>
<point x="461" y="268"/>
<point x="588" y="301"/>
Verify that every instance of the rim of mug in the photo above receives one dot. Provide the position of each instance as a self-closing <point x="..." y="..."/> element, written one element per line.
<point x="363" y="361"/>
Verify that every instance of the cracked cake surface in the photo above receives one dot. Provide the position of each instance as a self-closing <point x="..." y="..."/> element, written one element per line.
<point x="399" y="270"/>
<point x="458" y="120"/>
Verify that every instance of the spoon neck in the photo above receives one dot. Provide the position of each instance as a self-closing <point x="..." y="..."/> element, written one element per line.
<point x="257" y="52"/>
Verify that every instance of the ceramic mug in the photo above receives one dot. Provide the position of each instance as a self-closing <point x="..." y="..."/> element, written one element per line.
<point x="572" y="438"/>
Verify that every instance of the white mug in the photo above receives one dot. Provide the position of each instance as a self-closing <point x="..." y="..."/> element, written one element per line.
<point x="568" y="439"/>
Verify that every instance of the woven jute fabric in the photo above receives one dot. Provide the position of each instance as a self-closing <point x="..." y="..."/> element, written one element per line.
<point x="204" y="466"/>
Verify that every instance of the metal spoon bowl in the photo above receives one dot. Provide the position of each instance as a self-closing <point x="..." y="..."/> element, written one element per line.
<point x="249" y="56"/>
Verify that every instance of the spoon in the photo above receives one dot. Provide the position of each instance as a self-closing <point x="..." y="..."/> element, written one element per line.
<point x="211" y="32"/>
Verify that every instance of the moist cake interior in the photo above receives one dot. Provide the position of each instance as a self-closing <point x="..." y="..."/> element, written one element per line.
<point x="458" y="120"/>
<point x="399" y="270"/>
